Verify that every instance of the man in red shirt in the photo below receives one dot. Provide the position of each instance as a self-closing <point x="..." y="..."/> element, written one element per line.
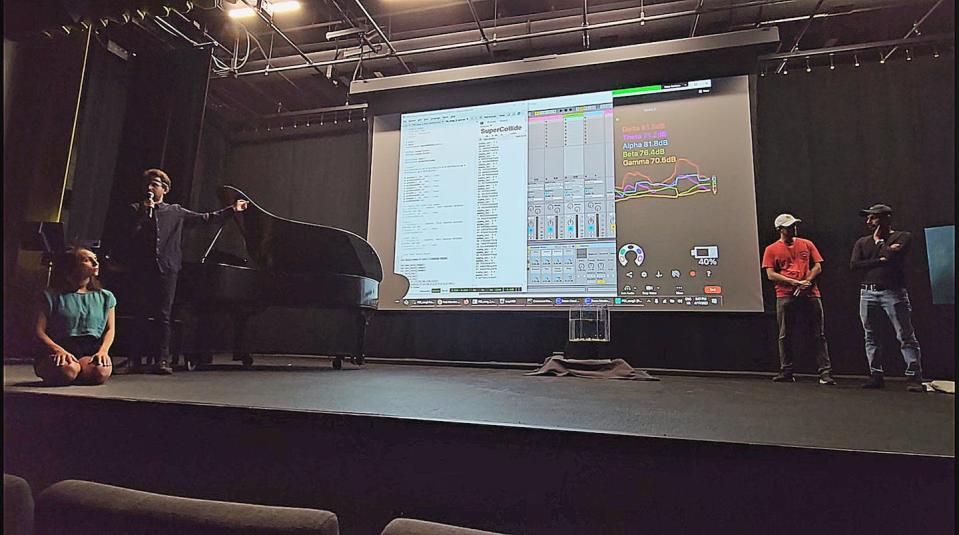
<point x="793" y="263"/>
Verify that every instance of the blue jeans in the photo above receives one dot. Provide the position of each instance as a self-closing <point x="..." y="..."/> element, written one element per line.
<point x="894" y="304"/>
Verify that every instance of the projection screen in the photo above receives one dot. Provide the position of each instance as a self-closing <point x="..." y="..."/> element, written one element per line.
<point x="640" y="198"/>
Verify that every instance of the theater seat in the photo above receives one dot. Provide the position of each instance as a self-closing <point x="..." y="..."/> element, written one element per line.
<point x="83" y="507"/>
<point x="17" y="506"/>
<point x="409" y="526"/>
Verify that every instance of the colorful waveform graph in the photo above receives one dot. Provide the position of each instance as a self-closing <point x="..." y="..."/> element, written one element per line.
<point x="685" y="180"/>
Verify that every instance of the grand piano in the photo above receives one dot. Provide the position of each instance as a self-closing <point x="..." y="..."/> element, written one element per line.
<point x="295" y="264"/>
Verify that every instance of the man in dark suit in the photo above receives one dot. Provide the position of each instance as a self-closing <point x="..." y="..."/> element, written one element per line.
<point x="153" y="232"/>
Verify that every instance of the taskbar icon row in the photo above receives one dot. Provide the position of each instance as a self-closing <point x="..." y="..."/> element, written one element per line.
<point x="565" y="302"/>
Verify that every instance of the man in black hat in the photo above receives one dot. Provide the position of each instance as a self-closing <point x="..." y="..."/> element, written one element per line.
<point x="879" y="257"/>
<point x="153" y="251"/>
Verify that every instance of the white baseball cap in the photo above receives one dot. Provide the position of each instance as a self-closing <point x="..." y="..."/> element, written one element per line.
<point x="785" y="220"/>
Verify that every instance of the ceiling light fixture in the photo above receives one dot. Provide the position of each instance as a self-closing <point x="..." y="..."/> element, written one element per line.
<point x="882" y="57"/>
<point x="908" y="55"/>
<point x="935" y="52"/>
<point x="856" y="58"/>
<point x="346" y="32"/>
<point x="832" y="66"/>
<point x="808" y="68"/>
<point x="272" y="8"/>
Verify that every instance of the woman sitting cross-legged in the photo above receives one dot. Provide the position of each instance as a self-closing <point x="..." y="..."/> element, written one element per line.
<point x="76" y="323"/>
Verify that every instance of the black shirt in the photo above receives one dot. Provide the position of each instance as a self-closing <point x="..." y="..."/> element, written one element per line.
<point x="888" y="274"/>
<point x="156" y="240"/>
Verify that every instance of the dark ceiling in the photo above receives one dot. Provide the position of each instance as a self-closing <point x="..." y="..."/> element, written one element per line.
<point x="273" y="66"/>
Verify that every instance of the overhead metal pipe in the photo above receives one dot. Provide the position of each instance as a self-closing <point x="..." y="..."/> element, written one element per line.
<point x="547" y="33"/>
<point x="801" y="33"/>
<point x="534" y="35"/>
<point x="312" y="112"/>
<point x="585" y="25"/>
<point x="692" y="31"/>
<point x="269" y="21"/>
<point x="479" y="26"/>
<point x="382" y="35"/>
<point x="824" y="15"/>
<point x="937" y="38"/>
<point x="915" y="28"/>
<point x="211" y="39"/>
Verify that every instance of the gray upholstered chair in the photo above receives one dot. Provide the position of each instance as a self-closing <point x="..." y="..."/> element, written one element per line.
<point x="83" y="507"/>
<point x="409" y="526"/>
<point x="17" y="506"/>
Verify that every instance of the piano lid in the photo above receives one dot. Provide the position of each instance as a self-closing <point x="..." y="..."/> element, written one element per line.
<point x="284" y="245"/>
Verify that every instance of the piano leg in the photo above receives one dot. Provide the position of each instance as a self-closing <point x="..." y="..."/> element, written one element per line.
<point x="239" y="336"/>
<point x="362" y="322"/>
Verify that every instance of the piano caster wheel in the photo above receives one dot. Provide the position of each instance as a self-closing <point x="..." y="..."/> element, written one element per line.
<point x="337" y="363"/>
<point x="247" y="362"/>
<point x="197" y="361"/>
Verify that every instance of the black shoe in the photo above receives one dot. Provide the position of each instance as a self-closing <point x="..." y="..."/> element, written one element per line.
<point x="825" y="378"/>
<point x="914" y="384"/>
<point x="128" y="367"/>
<point x="163" y="368"/>
<point x="784" y="377"/>
<point x="876" y="380"/>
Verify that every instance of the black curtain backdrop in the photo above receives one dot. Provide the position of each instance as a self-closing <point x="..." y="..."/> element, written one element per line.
<point x="832" y="143"/>
<point x="44" y="82"/>
<point x="99" y="130"/>
<point x="827" y="143"/>
<point x="320" y="177"/>
<point x="162" y="123"/>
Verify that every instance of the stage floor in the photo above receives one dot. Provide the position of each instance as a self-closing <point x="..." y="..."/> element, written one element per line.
<point x="724" y="409"/>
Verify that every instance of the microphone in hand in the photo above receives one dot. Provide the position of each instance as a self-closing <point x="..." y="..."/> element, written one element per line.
<point x="150" y="205"/>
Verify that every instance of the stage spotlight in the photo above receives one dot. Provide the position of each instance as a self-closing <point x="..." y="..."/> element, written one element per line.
<point x="882" y="58"/>
<point x="808" y="68"/>
<point x="272" y="8"/>
<point x="122" y="18"/>
<point x="832" y="66"/>
<point x="856" y="58"/>
<point x="908" y="55"/>
<point x="241" y="12"/>
<point x="935" y="52"/>
<point x="284" y="7"/>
